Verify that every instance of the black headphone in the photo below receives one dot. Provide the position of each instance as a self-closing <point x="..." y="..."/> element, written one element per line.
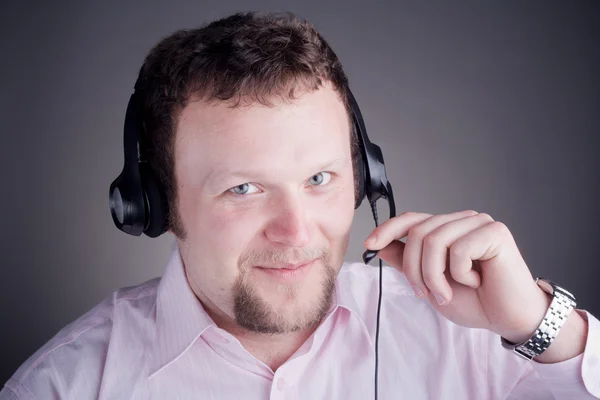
<point x="138" y="204"/>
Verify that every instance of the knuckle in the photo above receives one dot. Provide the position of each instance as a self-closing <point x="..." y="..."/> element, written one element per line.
<point x="486" y="216"/>
<point x="457" y="251"/>
<point x="416" y="232"/>
<point x="500" y="227"/>
<point x="457" y="273"/>
<point x="432" y="241"/>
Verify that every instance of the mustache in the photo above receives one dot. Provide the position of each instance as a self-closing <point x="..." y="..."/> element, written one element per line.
<point x="265" y="257"/>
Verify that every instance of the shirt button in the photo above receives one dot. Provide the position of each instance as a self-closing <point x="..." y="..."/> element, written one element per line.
<point x="281" y="384"/>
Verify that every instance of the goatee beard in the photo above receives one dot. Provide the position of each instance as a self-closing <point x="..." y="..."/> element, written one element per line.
<point x="255" y="315"/>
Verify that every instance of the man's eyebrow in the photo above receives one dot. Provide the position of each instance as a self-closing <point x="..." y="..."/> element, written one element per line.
<point x="250" y="174"/>
<point x="333" y="163"/>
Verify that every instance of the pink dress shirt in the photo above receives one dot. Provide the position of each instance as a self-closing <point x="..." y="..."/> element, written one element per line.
<point x="155" y="341"/>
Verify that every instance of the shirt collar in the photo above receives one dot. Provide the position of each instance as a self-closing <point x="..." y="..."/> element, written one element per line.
<point x="345" y="297"/>
<point x="181" y="318"/>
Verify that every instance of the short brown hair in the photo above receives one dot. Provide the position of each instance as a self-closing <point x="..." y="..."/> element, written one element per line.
<point x="246" y="56"/>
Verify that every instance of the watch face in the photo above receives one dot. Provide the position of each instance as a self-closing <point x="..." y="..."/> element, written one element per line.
<point x="568" y="294"/>
<point x="548" y="286"/>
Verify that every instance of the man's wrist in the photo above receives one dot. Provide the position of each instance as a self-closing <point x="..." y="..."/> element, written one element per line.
<point x="559" y="320"/>
<point x="542" y="305"/>
<point x="569" y="343"/>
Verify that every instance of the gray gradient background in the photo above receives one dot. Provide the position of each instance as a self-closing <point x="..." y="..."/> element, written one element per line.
<point x="477" y="105"/>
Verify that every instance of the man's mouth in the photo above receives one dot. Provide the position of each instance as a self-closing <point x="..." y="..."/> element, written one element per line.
<point x="290" y="266"/>
<point x="288" y="272"/>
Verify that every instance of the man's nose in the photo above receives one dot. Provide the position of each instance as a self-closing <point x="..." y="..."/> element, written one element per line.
<point x="288" y="225"/>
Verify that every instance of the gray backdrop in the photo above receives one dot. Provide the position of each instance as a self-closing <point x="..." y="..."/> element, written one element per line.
<point x="477" y="105"/>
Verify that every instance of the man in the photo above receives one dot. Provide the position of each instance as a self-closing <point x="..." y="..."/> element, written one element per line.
<point x="247" y="128"/>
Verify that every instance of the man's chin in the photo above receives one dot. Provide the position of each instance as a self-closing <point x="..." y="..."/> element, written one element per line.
<point x="282" y="319"/>
<point x="287" y="308"/>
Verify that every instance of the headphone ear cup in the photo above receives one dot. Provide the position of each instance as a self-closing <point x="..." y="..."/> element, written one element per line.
<point x="156" y="203"/>
<point x="127" y="204"/>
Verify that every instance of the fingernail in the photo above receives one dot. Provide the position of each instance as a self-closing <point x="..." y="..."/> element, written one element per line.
<point x="440" y="300"/>
<point x="418" y="291"/>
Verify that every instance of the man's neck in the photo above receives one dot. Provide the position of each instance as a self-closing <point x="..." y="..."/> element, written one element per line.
<point x="273" y="350"/>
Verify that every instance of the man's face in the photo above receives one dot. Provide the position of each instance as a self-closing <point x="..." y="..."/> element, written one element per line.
<point x="261" y="188"/>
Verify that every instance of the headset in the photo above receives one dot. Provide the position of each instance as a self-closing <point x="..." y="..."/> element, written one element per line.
<point x="138" y="204"/>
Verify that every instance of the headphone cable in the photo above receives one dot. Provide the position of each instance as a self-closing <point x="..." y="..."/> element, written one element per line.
<point x="374" y="210"/>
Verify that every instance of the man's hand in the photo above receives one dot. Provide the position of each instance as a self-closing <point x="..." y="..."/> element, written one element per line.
<point x="469" y="264"/>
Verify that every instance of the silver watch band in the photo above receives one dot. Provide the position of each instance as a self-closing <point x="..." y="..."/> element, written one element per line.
<point x="560" y="308"/>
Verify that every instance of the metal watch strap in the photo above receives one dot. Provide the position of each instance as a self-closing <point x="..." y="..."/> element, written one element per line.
<point x="561" y="306"/>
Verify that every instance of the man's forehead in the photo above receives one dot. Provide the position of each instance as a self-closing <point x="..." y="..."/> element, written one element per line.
<point x="320" y="106"/>
<point x="217" y="145"/>
<point x="294" y="130"/>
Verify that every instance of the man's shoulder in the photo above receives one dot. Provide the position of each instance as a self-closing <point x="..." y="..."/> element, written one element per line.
<point x="84" y="343"/>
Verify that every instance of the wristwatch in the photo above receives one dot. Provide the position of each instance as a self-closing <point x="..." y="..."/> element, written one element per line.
<point x="561" y="306"/>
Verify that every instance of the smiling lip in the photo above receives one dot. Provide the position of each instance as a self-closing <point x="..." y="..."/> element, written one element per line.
<point x="289" y="273"/>
<point x="290" y="266"/>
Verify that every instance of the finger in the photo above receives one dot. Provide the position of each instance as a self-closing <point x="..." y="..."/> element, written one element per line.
<point x="393" y="229"/>
<point x="436" y="247"/>
<point x="392" y="254"/>
<point x="413" y="252"/>
<point x="482" y="244"/>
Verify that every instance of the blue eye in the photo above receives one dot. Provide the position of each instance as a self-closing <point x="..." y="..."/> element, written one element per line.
<point x="320" y="179"/>
<point x="242" y="189"/>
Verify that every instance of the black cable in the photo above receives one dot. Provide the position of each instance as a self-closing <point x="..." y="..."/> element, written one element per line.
<point x="377" y="328"/>
<point x="374" y="209"/>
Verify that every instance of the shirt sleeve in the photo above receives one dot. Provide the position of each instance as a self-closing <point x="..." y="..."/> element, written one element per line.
<point x="576" y="378"/>
<point x="7" y="394"/>
<point x="579" y="376"/>
<point x="32" y="382"/>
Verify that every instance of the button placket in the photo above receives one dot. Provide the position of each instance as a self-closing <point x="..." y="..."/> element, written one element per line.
<point x="281" y="384"/>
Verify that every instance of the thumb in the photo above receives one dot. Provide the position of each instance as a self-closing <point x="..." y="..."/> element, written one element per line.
<point x="392" y="254"/>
